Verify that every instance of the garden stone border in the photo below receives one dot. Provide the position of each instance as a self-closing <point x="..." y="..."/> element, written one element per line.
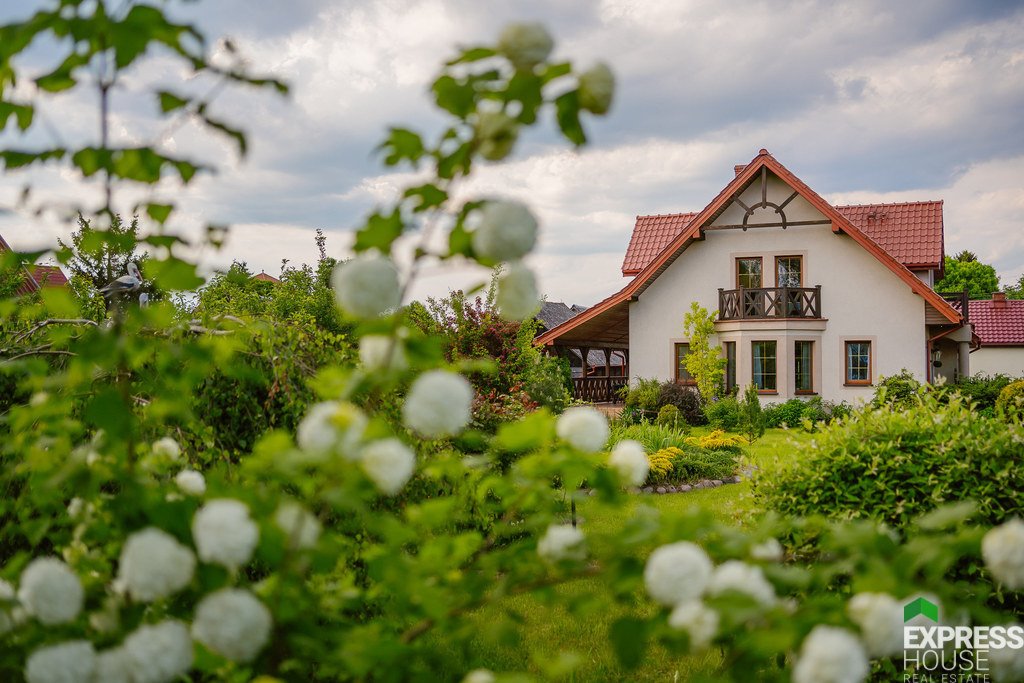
<point x="686" y="488"/>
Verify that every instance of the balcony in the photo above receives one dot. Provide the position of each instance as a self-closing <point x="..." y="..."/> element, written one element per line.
<point x="769" y="302"/>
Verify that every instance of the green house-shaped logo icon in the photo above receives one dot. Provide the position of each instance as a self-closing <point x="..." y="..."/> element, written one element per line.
<point x="921" y="606"/>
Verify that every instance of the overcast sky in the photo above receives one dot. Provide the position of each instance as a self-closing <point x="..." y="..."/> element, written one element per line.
<point x="865" y="101"/>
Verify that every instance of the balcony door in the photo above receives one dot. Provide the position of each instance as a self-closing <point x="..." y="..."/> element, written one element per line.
<point x="789" y="272"/>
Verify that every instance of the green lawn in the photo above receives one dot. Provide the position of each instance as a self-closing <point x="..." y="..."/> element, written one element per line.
<point x="551" y="633"/>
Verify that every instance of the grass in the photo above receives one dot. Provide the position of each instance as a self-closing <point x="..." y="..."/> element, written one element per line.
<point x="551" y="635"/>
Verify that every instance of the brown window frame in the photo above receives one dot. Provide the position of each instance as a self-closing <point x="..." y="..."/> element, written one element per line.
<point x="736" y="268"/>
<point x="729" y="377"/>
<point x="846" y="364"/>
<point x="692" y="382"/>
<point x="775" y="374"/>
<point x="778" y="258"/>
<point x="810" y="374"/>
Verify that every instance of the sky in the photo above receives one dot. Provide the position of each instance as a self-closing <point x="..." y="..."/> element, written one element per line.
<point x="865" y="101"/>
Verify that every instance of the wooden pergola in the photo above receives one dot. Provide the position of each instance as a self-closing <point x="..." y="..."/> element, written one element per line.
<point x="604" y="330"/>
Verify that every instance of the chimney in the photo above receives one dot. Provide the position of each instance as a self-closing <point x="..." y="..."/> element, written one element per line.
<point x="998" y="299"/>
<point x="738" y="168"/>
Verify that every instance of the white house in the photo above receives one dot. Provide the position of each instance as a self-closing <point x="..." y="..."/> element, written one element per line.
<point x="812" y="299"/>
<point x="999" y="324"/>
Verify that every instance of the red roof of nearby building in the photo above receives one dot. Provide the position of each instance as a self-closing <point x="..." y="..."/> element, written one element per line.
<point x="265" y="278"/>
<point x="29" y="284"/>
<point x="48" y="276"/>
<point x="911" y="232"/>
<point x="997" y="323"/>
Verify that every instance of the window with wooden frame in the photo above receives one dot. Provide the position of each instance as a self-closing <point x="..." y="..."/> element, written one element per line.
<point x="763" y="366"/>
<point x="748" y="272"/>
<point x="803" y="363"/>
<point x="858" y="362"/>
<point x="789" y="271"/>
<point x="730" y="367"/>
<point x="683" y="375"/>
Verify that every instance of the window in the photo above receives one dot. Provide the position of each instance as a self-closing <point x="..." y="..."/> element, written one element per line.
<point x="748" y="272"/>
<point x="804" y="379"/>
<point x="858" y="362"/>
<point x="682" y="374"/>
<point x="730" y="367"/>
<point x="763" y="357"/>
<point x="789" y="271"/>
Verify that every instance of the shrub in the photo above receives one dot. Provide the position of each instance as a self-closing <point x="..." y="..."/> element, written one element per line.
<point x="788" y="414"/>
<point x="893" y="464"/>
<point x="644" y="395"/>
<point x="723" y="413"/>
<point x="653" y="437"/>
<point x="751" y="416"/>
<point x="899" y="390"/>
<point x="686" y="399"/>
<point x="982" y="390"/>
<point x="668" y="416"/>
<point x="717" y="439"/>
<point x="548" y="384"/>
<point x="674" y="465"/>
<point x="1010" y="405"/>
<point x="661" y="466"/>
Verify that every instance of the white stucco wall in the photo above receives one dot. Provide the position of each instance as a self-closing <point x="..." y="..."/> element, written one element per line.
<point x="1008" y="360"/>
<point x="861" y="299"/>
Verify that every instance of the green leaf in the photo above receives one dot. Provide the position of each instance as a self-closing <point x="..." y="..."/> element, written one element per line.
<point x="629" y="640"/>
<point x="173" y="274"/>
<point x="379" y="232"/>
<point x="167" y="241"/>
<point x="17" y="159"/>
<point x="429" y="196"/>
<point x="234" y="133"/>
<point x="453" y="96"/>
<point x="525" y="88"/>
<point x="22" y="113"/>
<point x="402" y="144"/>
<point x="159" y="212"/>
<point x="170" y="102"/>
<point x="567" y="109"/>
<point x="473" y="54"/>
<point x="458" y="161"/>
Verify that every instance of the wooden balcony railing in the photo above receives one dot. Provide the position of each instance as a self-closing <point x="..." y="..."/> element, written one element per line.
<point x="769" y="302"/>
<point x="598" y="389"/>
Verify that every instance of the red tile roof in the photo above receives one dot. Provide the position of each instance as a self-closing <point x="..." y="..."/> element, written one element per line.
<point x="911" y="232"/>
<point x="263" y="277"/>
<point x="48" y="276"/>
<point x="28" y="284"/>
<point x="998" y="323"/>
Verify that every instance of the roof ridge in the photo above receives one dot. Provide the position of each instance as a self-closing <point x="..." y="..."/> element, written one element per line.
<point x="917" y="201"/>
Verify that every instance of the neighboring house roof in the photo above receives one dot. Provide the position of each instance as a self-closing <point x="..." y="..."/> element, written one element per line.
<point x="28" y="284"/>
<point x="997" y="323"/>
<point x="554" y="313"/>
<point x="263" y="277"/>
<point x="910" y="231"/>
<point x="48" y="276"/>
<point x="617" y="304"/>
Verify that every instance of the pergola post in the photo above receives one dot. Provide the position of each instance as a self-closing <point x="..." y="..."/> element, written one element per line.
<point x="607" y="362"/>
<point x="584" y="352"/>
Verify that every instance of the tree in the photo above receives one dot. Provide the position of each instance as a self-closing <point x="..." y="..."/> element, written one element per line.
<point x="704" y="361"/>
<point x="1015" y="291"/>
<point x="752" y="417"/>
<point x="965" y="270"/>
<point x="100" y="256"/>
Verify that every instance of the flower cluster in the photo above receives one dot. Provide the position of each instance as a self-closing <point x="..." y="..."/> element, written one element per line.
<point x="584" y="428"/>
<point x="438" y="404"/>
<point x="367" y="286"/>
<point x="517" y="296"/>
<point x="880" y="618"/>
<point x="191" y="482"/>
<point x="332" y="427"/>
<point x="224" y="534"/>
<point x="629" y="459"/>
<point x="1002" y="548"/>
<point x="389" y="464"/>
<point x="154" y="565"/>
<point x="562" y="542"/>
<point x="50" y="591"/>
<point x="507" y="231"/>
<point x="233" y="623"/>
<point x="831" y="655"/>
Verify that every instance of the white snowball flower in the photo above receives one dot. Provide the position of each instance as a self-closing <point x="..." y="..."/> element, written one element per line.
<point x="506" y="231"/>
<point x="698" y="620"/>
<point x="496" y="133"/>
<point x="232" y="623"/>
<point x="367" y="286"/>
<point x="562" y="542"/>
<point x="154" y="565"/>
<point x="301" y="527"/>
<point x="743" y="578"/>
<point x="880" y="618"/>
<point x="629" y="459"/>
<point x="224" y="534"/>
<point x="112" y="666"/>
<point x="50" y="591"/>
<point x="1003" y="551"/>
<point x="75" y="507"/>
<point x="389" y="463"/>
<point x="159" y="653"/>
<point x="191" y="482"/>
<point x="167" y="447"/>
<point x="584" y="428"/>
<point x="767" y="551"/>
<point x="517" y="297"/>
<point x="831" y="655"/>
<point x="332" y="427"/>
<point x="73" y="661"/>
<point x="677" y="572"/>
<point x="597" y="88"/>
<point x="438" y="404"/>
<point x="525" y="44"/>
<point x="1006" y="663"/>
<point x="479" y="676"/>
<point x="375" y="348"/>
